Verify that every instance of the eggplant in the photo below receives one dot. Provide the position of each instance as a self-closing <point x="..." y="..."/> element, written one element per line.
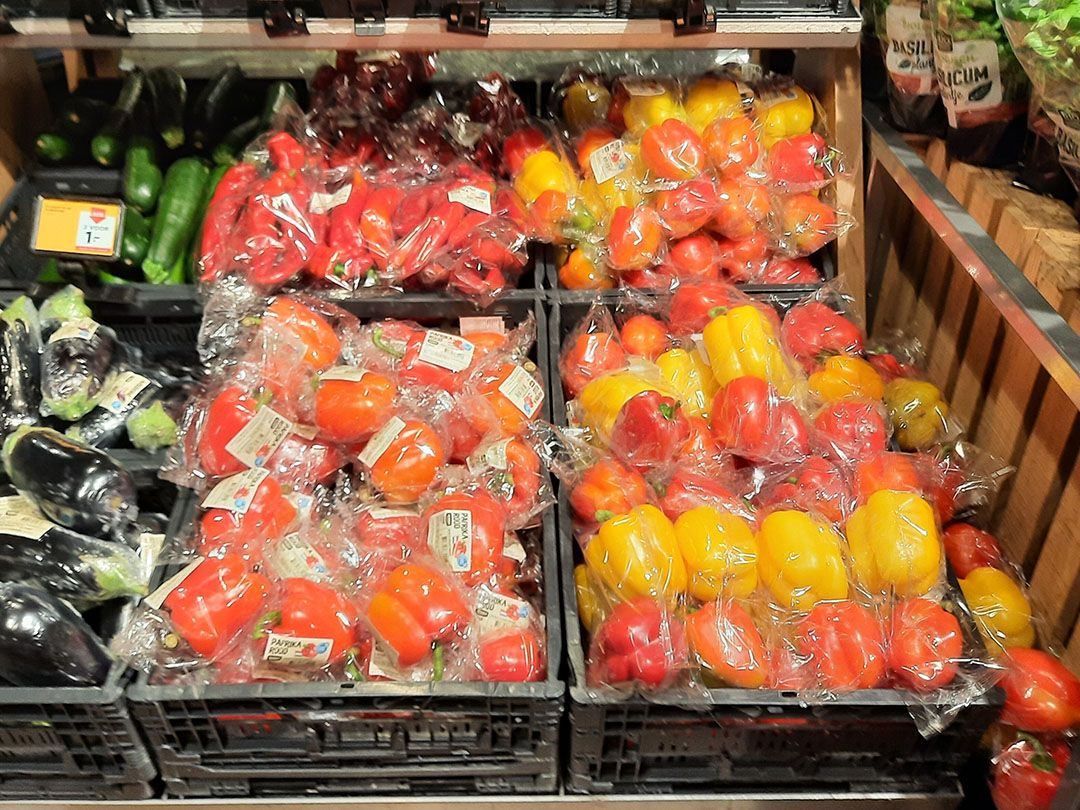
<point x="77" y="486"/>
<point x="63" y="305"/>
<point x="45" y="642"/>
<point x="71" y="565"/>
<point x="105" y="425"/>
<point x="155" y="426"/>
<point x="20" y="365"/>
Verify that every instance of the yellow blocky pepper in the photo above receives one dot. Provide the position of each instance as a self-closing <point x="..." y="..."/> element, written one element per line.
<point x="690" y="378"/>
<point x="711" y="98"/>
<point x="585" y="104"/>
<point x="544" y="171"/>
<point x="741" y="342"/>
<point x="720" y="552"/>
<point x="1002" y="612"/>
<point x="783" y="114"/>
<point x="636" y="554"/>
<point x="843" y="376"/>
<point x="894" y="544"/>
<point x="800" y="560"/>
<point x="602" y="399"/>
<point x="917" y="412"/>
<point x="591" y="608"/>
<point x="655" y="106"/>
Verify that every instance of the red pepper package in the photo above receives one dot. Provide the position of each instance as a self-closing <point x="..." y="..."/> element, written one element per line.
<point x="393" y="532"/>
<point x="843" y="644"/>
<point x="640" y="643"/>
<point x="591" y="350"/>
<point x="512" y="471"/>
<point x="750" y="420"/>
<point x="1028" y="772"/>
<point x="817" y="485"/>
<point x="820" y="326"/>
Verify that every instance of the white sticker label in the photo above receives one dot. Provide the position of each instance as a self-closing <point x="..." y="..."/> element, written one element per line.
<point x="346" y="373"/>
<point x="909" y="48"/>
<point x="325" y="201"/>
<point x="644" y="87"/>
<point x="75" y="329"/>
<point x="523" y="391"/>
<point x="308" y="432"/>
<point x="493" y="457"/>
<point x="771" y="96"/>
<point x="120" y="391"/>
<point x="478" y="199"/>
<point x="608" y="161"/>
<point x="381" y="665"/>
<point x="313" y="652"/>
<point x="384" y="513"/>
<point x="968" y="73"/>
<point x="158" y="597"/>
<point x="1066" y="135"/>
<point x="20" y="518"/>
<point x="378" y="444"/>
<point x="256" y="441"/>
<point x="513" y="549"/>
<point x="293" y="558"/>
<point x="464" y="130"/>
<point x="450" y="536"/>
<point x="444" y="350"/>
<point x="498" y="611"/>
<point x="150" y="545"/>
<point x="236" y="492"/>
<point x="97" y="231"/>
<point x="482" y="323"/>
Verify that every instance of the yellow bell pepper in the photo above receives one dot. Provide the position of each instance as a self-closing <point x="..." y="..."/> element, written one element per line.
<point x="720" y="552"/>
<point x="783" y="114"/>
<point x="690" y="378"/>
<point x="1001" y="611"/>
<point x="643" y="111"/>
<point x="800" y="560"/>
<point x="894" y="544"/>
<point x="591" y="608"/>
<point x="585" y="104"/>
<point x="917" y="412"/>
<point x="602" y="399"/>
<point x="603" y="198"/>
<point x="741" y="342"/>
<point x="843" y="376"/>
<point x="544" y="171"/>
<point x="636" y="554"/>
<point x="711" y="98"/>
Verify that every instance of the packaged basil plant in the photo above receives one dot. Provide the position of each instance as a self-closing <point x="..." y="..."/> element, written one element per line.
<point x="983" y="86"/>
<point x="907" y="46"/>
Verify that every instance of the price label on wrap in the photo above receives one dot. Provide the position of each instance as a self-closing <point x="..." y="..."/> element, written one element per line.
<point x="20" y="518"/>
<point x="469" y="324"/>
<point x="493" y="457"/>
<point x="77" y="227"/>
<point x="385" y="513"/>
<point x="608" y="161"/>
<point x="120" y="391"/>
<point x="478" y="199"/>
<point x="500" y="611"/>
<point x="523" y="391"/>
<point x="450" y="536"/>
<point x="294" y="558"/>
<point x="236" y="492"/>
<point x="381" y="441"/>
<point x="297" y="650"/>
<point x="513" y="549"/>
<point x="323" y="202"/>
<point x="444" y="350"/>
<point x="345" y="373"/>
<point x="256" y="441"/>
<point x="75" y="329"/>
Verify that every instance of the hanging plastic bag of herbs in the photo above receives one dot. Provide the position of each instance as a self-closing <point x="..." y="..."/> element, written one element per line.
<point x="1045" y="35"/>
<point x="983" y="86"/>
<point x="907" y="46"/>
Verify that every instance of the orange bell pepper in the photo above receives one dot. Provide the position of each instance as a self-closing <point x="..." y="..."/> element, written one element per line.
<point x="727" y="646"/>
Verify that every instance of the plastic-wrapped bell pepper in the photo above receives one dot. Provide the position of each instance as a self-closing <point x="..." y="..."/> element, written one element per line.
<point x="416" y="610"/>
<point x="466" y="530"/>
<point x="845" y="644"/>
<point x="634" y="238"/>
<point x="514" y="657"/>
<point x="720" y="552"/>
<point x="800" y="560"/>
<point x="649" y="430"/>
<point x="591" y="609"/>
<point x="214" y="601"/>
<point x="579" y="272"/>
<point x="672" y="150"/>
<point x="925" y="645"/>
<point x="644" y="336"/>
<point x="603" y="398"/>
<point x="727" y="646"/>
<point x="1001" y="610"/>
<point x="918" y="412"/>
<point x="286" y="152"/>
<point x="347" y="408"/>
<point x="591" y="355"/>
<point x="968" y="548"/>
<point x="607" y="489"/>
<point x="638" y="642"/>
<point x="783" y="114"/>
<point x="1028" y="774"/>
<point x="812" y="331"/>
<point x="894" y="544"/>
<point x="742" y="342"/>
<point x="752" y="422"/>
<point x="843" y="377"/>
<point x="410" y="461"/>
<point x="585" y="104"/>
<point x="264" y="514"/>
<point x="1040" y="693"/>
<point x="711" y="98"/>
<point x="321" y="344"/>
<point x="637" y="554"/>
<point x="315" y="613"/>
<point x="690" y="378"/>
<point x="230" y="411"/>
<point x="693" y="306"/>
<point x="543" y="171"/>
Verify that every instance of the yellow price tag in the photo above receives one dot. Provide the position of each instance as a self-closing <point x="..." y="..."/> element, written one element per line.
<point x="77" y="227"/>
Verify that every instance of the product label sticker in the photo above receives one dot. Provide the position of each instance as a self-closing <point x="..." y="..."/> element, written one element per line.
<point x="346" y="373"/>
<point x="158" y="597"/>
<point x="256" y="441"/>
<point x="77" y="227"/>
<point x="385" y="513"/>
<point x="150" y="545"/>
<point x="909" y="49"/>
<point x="1066" y="135"/>
<point x="120" y="391"/>
<point x="378" y="444"/>
<point x="236" y="492"/>
<point x="481" y="323"/>
<point x="308" y="432"/>
<point x="968" y="73"/>
<point x="20" y="518"/>
<point x="771" y="96"/>
<point x="644" y="87"/>
<point x="323" y="202"/>
<point x="478" y="199"/>
<point x="523" y="391"/>
<point x="608" y="161"/>
<point x="513" y="549"/>
<point x="444" y="350"/>
<point x="493" y="457"/>
<point x="294" y="558"/>
<point x="381" y="664"/>
<point x="464" y="130"/>
<point x="450" y="536"/>
<point x="297" y="650"/>
<point x="75" y="329"/>
<point x="499" y="611"/>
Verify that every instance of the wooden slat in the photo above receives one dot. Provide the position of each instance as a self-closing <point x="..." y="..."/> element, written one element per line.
<point x="1053" y="266"/>
<point x="989" y="199"/>
<point x="959" y="181"/>
<point x="951" y="336"/>
<point x="923" y="321"/>
<point x="1071" y="658"/>
<point x="1025" y="217"/>
<point x="937" y="158"/>
<point x="1055" y="585"/>
<point x="977" y="364"/>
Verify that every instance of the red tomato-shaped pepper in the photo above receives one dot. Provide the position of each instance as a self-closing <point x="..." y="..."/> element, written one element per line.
<point x="851" y="429"/>
<point x="513" y="658"/>
<point x="644" y="336"/>
<point x="1027" y="774"/>
<point x="466" y="530"/>
<point x="743" y="207"/>
<point x="347" y="409"/>
<point x="925" y="643"/>
<point x="672" y="151"/>
<point x="688" y="207"/>
<point x="845" y="644"/>
<point x="732" y="145"/>
<point x="634" y="238"/>
<point x="591" y="355"/>
<point x="409" y="463"/>
<point x="607" y="488"/>
<point x="752" y="421"/>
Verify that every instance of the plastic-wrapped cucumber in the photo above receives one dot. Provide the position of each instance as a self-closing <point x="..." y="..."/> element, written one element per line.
<point x="45" y="642"/>
<point x="124" y="393"/>
<point x="20" y="365"/>
<point x="71" y="565"/>
<point x="76" y="364"/>
<point x="76" y="486"/>
<point x="63" y="305"/>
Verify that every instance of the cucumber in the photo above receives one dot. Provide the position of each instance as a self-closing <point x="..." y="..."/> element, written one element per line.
<point x="107" y="147"/>
<point x="82" y="117"/>
<point x="142" y="176"/>
<point x="135" y="240"/>
<point x="278" y="95"/>
<point x="174" y="223"/>
<point x="215" y="106"/>
<point x="53" y="146"/>
<point x="227" y="152"/>
<point x="169" y="96"/>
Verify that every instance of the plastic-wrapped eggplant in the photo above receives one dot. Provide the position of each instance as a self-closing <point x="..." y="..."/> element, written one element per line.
<point x="155" y="426"/>
<point x="77" y="486"/>
<point x="20" y="365"/>
<point x="71" y="565"/>
<point x="64" y="305"/>
<point x="76" y="363"/>
<point x="124" y="393"/>
<point x="45" y="642"/>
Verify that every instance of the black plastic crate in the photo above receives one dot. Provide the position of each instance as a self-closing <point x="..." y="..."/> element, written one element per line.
<point x="310" y="739"/>
<point x="739" y="740"/>
<point x="682" y="9"/>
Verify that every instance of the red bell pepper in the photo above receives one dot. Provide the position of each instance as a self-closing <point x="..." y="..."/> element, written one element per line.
<point x="518" y="485"/>
<point x="230" y="411"/>
<point x="688" y="207"/>
<point x="750" y="420"/>
<point x="851" y="429"/>
<point x="925" y="644"/>
<point x="519" y="146"/>
<point x="968" y="548"/>
<point x="790" y="271"/>
<point x="314" y="612"/>
<point x="640" y="642"/>
<point x="1028" y="773"/>
<point x="423" y="244"/>
<point x="797" y="162"/>
<point x="512" y="658"/>
<point x="644" y="336"/>
<point x="286" y="153"/>
<point x="289" y="317"/>
<point x="269" y="513"/>
<point x="812" y="331"/>
<point x="895" y="471"/>
<point x="466" y="531"/>
<point x="816" y="485"/>
<point x="1040" y="693"/>
<point x="649" y="430"/>
<point x="690" y="488"/>
<point x="845" y="644"/>
<point x="590" y="356"/>
<point x="349" y="411"/>
<point x="399" y="533"/>
<point x="744" y="260"/>
<point x="694" y="305"/>
<point x="607" y="489"/>
<point x="221" y="218"/>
